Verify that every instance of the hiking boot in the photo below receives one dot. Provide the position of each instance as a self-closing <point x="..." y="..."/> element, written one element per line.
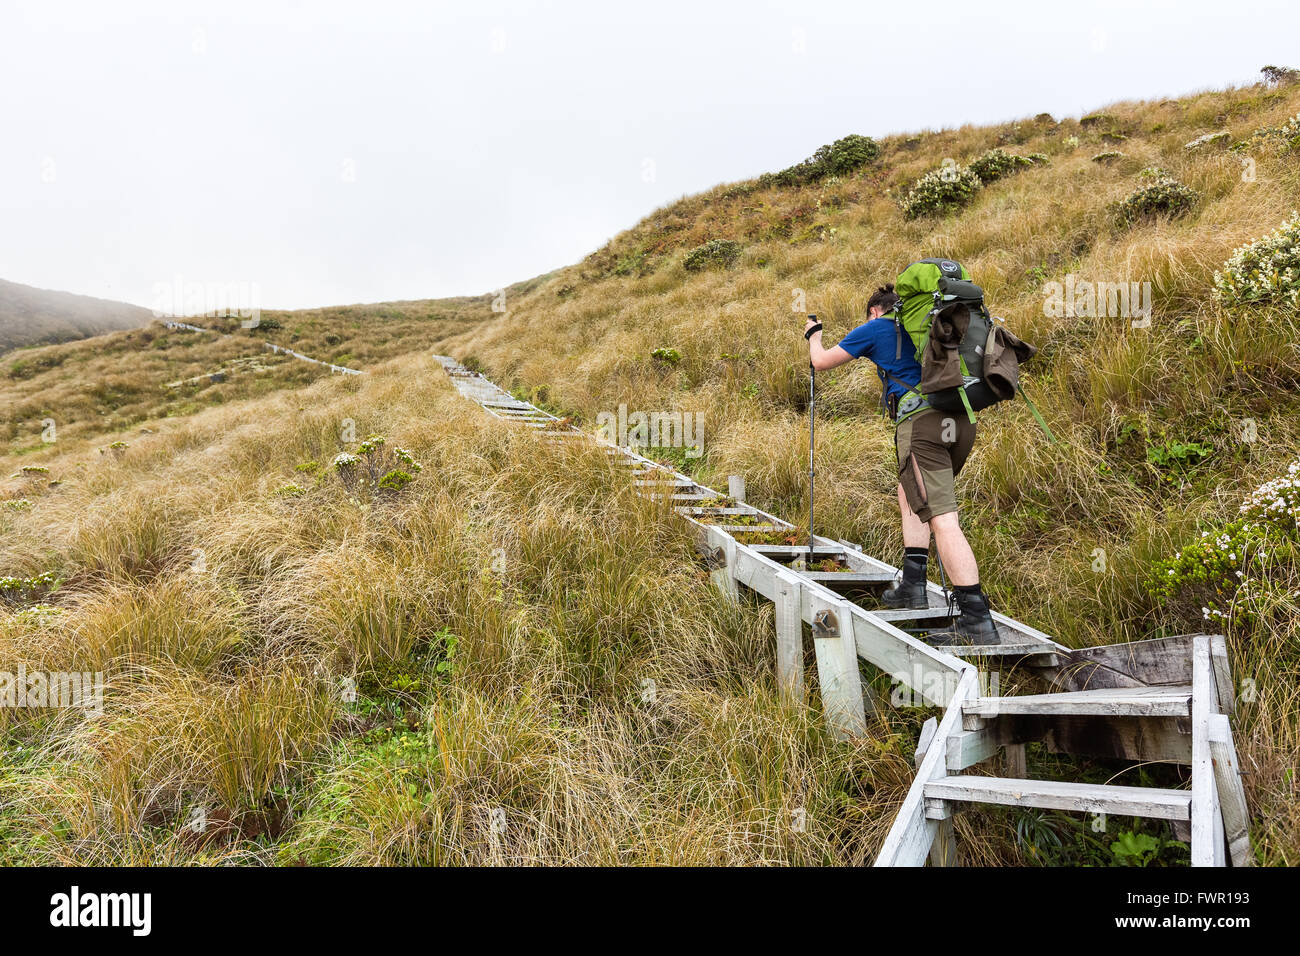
<point x="909" y="592"/>
<point x="973" y="626"/>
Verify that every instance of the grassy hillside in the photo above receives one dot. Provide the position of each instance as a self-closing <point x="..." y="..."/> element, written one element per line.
<point x="31" y="316"/>
<point x="505" y="655"/>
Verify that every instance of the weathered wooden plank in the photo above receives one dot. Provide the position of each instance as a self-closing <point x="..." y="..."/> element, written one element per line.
<point x="787" y="551"/>
<point x="736" y="487"/>
<point x="1226" y="693"/>
<point x="928" y="672"/>
<point x="1162" y="701"/>
<point x="943" y="848"/>
<point x="1064" y="795"/>
<point x="969" y="747"/>
<point x="1164" y="660"/>
<point x="724" y="576"/>
<point x="756" y="573"/>
<point x="925" y="739"/>
<point x="837" y="666"/>
<point x="1207" y="837"/>
<point x="901" y="614"/>
<point x="1017" y="766"/>
<point x="665" y="482"/>
<point x="911" y="836"/>
<point x="788" y="610"/>
<point x="1005" y="649"/>
<point x="1128" y="738"/>
<point x="1232" y="795"/>
<point x="846" y="577"/>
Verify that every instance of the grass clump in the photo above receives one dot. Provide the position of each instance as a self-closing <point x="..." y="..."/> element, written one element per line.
<point x="715" y="252"/>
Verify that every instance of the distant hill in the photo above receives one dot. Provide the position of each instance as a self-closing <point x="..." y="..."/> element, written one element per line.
<point x="30" y="316"/>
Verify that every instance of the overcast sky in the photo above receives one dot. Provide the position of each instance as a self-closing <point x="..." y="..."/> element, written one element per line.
<point x="339" y="152"/>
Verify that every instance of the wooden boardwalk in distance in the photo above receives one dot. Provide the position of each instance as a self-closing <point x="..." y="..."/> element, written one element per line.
<point x="1165" y="700"/>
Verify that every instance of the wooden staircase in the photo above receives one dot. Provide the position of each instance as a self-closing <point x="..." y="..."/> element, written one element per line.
<point x="1166" y="700"/>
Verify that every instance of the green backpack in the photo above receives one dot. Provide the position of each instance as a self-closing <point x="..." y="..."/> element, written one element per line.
<point x="938" y="294"/>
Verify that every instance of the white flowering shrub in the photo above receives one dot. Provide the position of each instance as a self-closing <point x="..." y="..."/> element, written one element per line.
<point x="1226" y="573"/>
<point x="1266" y="271"/>
<point x="376" y="469"/>
<point x="15" y="590"/>
<point x="940" y="190"/>
<point x="1221" y="138"/>
<point x="1280" y="139"/>
<point x="997" y="163"/>
<point x="1163" y="196"/>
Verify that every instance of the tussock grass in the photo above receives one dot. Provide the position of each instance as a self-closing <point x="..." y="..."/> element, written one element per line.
<point x="514" y="658"/>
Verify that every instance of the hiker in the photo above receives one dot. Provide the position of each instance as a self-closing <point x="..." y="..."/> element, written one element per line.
<point x="932" y="446"/>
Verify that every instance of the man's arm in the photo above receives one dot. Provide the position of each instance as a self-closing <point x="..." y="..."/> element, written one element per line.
<point x="823" y="358"/>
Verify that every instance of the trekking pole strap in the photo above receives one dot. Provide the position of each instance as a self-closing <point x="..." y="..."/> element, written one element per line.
<point x="1038" y="417"/>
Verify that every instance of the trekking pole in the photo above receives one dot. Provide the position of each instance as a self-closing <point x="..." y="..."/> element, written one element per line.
<point x="812" y="430"/>
<point x="947" y="594"/>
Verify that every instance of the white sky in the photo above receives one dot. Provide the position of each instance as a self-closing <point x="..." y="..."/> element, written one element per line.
<point x="338" y="152"/>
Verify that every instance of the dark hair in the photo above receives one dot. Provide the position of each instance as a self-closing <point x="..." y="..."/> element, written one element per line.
<point x="885" y="297"/>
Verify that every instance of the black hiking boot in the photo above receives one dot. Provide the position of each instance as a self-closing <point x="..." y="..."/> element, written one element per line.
<point x="973" y="626"/>
<point x="910" y="591"/>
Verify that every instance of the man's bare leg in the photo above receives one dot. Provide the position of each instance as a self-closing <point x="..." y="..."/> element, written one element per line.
<point x="954" y="550"/>
<point x="916" y="533"/>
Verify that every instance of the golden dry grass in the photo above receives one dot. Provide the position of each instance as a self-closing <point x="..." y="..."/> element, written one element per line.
<point x="542" y="673"/>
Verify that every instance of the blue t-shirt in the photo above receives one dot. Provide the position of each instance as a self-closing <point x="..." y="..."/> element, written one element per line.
<point x="879" y="340"/>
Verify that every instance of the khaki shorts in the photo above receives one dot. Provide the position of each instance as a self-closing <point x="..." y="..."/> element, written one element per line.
<point x="932" y="446"/>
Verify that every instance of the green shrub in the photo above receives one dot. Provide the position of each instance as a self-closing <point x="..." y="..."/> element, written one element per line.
<point x="940" y="190"/>
<point x="1264" y="271"/>
<point x="396" y="480"/>
<point x="1164" y="196"/>
<point x="715" y="252"/>
<point x="837" y="159"/>
<point x="996" y="163"/>
<point x="667" y="356"/>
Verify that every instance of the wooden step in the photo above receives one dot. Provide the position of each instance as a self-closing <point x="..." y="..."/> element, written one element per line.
<point x="1005" y="649"/>
<point x="1055" y="795"/>
<point x="847" y="577"/>
<point x="675" y="482"/>
<point x="907" y="614"/>
<point x="1168" y="701"/>
<point x="786" y="551"/>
